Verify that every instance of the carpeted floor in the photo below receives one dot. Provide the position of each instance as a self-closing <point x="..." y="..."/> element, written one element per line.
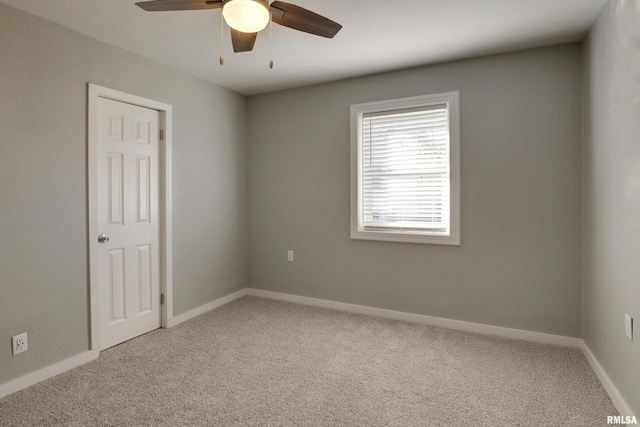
<point x="262" y="362"/>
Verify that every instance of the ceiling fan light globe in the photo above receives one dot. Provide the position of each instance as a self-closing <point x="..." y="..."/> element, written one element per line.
<point x="247" y="16"/>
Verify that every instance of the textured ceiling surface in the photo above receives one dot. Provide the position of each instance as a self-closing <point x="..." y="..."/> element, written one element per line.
<point x="377" y="36"/>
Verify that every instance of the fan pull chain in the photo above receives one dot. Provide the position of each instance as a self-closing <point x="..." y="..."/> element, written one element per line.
<point x="221" y="39"/>
<point x="270" y="39"/>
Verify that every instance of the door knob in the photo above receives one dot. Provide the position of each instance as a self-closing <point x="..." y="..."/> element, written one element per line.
<point x="103" y="238"/>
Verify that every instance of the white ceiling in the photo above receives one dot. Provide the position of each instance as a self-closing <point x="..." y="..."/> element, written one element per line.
<point x="377" y="36"/>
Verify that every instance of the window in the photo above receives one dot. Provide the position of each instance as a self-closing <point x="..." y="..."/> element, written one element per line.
<point x="405" y="170"/>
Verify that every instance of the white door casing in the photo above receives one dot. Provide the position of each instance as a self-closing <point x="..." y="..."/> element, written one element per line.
<point x="130" y="202"/>
<point x="129" y="262"/>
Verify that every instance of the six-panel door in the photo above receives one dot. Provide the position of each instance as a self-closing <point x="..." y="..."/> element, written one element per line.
<point x="129" y="264"/>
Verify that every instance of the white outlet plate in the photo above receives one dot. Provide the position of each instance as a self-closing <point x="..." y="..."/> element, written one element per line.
<point x="290" y="256"/>
<point x="19" y="343"/>
<point x="628" y="326"/>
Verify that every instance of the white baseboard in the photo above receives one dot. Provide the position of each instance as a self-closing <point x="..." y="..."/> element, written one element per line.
<point x="424" y="320"/>
<point x="609" y="386"/>
<point x="204" y="308"/>
<point x="47" y="372"/>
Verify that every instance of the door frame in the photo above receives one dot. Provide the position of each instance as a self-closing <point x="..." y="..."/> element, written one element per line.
<point x="164" y="197"/>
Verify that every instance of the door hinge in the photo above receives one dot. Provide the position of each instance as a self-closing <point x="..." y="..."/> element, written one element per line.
<point x="161" y="299"/>
<point x="161" y="134"/>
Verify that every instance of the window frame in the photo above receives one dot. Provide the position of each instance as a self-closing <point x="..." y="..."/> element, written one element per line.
<point x="452" y="100"/>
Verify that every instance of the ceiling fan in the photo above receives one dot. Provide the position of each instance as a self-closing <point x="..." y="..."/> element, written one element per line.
<point x="247" y="17"/>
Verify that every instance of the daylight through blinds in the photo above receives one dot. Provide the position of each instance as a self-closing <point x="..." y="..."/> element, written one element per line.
<point x="405" y="169"/>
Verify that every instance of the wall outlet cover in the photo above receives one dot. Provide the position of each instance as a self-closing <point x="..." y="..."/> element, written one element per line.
<point x="628" y="326"/>
<point x="19" y="343"/>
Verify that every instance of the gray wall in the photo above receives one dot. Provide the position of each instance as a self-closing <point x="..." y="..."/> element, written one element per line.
<point x="611" y="230"/>
<point x="43" y="208"/>
<point x="519" y="263"/>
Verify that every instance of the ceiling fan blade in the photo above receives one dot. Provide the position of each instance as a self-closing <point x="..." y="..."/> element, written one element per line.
<point x="242" y="42"/>
<point x="302" y="19"/>
<point x="167" y="5"/>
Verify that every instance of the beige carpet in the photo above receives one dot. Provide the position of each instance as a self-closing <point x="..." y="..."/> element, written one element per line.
<point x="262" y="362"/>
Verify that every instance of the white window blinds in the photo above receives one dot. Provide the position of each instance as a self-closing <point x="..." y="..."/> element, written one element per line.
<point x="405" y="175"/>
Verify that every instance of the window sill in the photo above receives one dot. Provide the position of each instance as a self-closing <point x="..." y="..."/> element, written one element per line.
<point x="421" y="238"/>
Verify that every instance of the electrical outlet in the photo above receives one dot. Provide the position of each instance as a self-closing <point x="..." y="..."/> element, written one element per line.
<point x="19" y="343"/>
<point x="628" y="326"/>
<point x="290" y="256"/>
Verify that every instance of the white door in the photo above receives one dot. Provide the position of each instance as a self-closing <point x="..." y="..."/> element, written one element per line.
<point x="128" y="223"/>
